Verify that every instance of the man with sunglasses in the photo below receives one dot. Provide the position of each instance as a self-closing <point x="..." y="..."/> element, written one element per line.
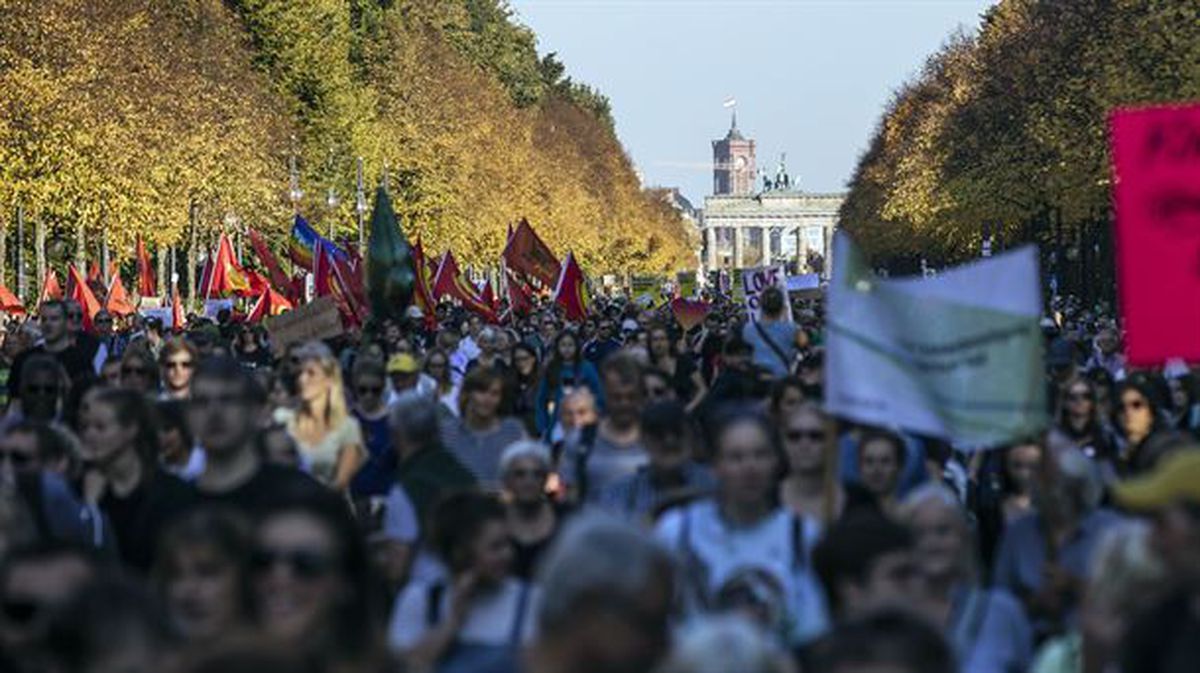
<point x="34" y="583"/>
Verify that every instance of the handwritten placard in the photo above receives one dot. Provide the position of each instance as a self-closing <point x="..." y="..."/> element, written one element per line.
<point x="1156" y="193"/>
<point x="318" y="319"/>
<point x="755" y="281"/>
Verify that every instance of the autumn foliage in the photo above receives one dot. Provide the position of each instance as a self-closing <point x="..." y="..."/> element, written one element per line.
<point x="117" y="115"/>
<point x="1006" y="129"/>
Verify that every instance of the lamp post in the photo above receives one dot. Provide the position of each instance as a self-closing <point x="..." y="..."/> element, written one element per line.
<point x="294" y="191"/>
<point x="360" y="205"/>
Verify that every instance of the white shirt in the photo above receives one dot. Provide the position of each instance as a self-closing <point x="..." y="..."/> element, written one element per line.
<point x="715" y="555"/>
<point x="489" y="619"/>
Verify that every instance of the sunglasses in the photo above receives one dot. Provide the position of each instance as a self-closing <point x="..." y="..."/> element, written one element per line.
<point x="536" y="473"/>
<point x="1134" y="405"/>
<point x="811" y="435"/>
<point x="369" y="390"/>
<point x="20" y="610"/>
<point x="135" y="371"/>
<point x="304" y="564"/>
<point x="180" y="364"/>
<point x="17" y="458"/>
<point x="1077" y="397"/>
<point x="103" y="321"/>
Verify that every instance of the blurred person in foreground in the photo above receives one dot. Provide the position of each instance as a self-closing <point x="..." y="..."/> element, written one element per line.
<point x="1166" y="638"/>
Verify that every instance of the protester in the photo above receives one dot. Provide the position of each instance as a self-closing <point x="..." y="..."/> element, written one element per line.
<point x="178" y="361"/>
<point x="479" y="433"/>
<point x="1043" y="556"/>
<point x="177" y="450"/>
<point x="739" y="551"/>
<point x="426" y="470"/>
<point x="565" y="370"/>
<point x="892" y="640"/>
<point x="437" y="367"/>
<point x="881" y="456"/>
<point x="525" y="368"/>
<point x="986" y="627"/>
<point x="406" y="380"/>
<point x="682" y="374"/>
<point x="670" y="475"/>
<point x="120" y="453"/>
<point x="606" y="598"/>
<point x="329" y="438"/>
<point x="480" y="615"/>
<point x="1142" y="425"/>
<point x="378" y="472"/>
<point x="811" y="488"/>
<point x="533" y="518"/>
<point x="726" y="644"/>
<point x="202" y="572"/>
<point x="773" y="336"/>
<point x="611" y="449"/>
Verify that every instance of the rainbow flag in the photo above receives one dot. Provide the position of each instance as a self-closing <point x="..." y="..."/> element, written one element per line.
<point x="304" y="241"/>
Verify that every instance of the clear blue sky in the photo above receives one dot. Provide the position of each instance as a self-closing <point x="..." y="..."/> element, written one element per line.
<point x="810" y="77"/>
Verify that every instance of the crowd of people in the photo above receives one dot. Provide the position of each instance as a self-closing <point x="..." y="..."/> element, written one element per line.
<point x="618" y="495"/>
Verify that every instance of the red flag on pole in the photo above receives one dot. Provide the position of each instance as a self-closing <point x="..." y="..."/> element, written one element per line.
<point x="528" y="254"/>
<point x="50" y="287"/>
<point x="9" y="302"/>
<point x="226" y="276"/>
<point x="78" y="291"/>
<point x="117" y="301"/>
<point x="274" y="269"/>
<point x="146" y="287"/>
<point x="270" y="303"/>
<point x="449" y="282"/>
<point x="422" y="294"/>
<point x="176" y="310"/>
<point x="488" y="297"/>
<point x="330" y="280"/>
<point x="571" y="290"/>
<point x="520" y="302"/>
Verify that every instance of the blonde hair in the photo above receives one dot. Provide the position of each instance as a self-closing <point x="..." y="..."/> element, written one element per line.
<point x="336" y="411"/>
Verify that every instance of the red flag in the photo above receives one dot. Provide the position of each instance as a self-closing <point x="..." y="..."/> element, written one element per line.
<point x="528" y="254"/>
<point x="571" y="290"/>
<point x="78" y="291"/>
<point x="226" y="276"/>
<point x="93" y="274"/>
<point x="330" y="279"/>
<point x="520" y="301"/>
<point x="488" y="297"/>
<point x="50" y="287"/>
<point x="274" y="269"/>
<point x="176" y="310"/>
<point x="422" y="294"/>
<point x="257" y="283"/>
<point x="118" y="302"/>
<point x="146" y="286"/>
<point x="270" y="303"/>
<point x="450" y="282"/>
<point x="9" y="302"/>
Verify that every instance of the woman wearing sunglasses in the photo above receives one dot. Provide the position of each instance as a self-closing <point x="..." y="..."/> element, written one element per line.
<point x="533" y="519"/>
<point x="811" y="488"/>
<point x="312" y="584"/>
<point x="1144" y="435"/>
<point x="480" y="616"/>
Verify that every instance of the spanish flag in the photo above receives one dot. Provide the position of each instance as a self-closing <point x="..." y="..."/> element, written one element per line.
<point x="571" y="290"/>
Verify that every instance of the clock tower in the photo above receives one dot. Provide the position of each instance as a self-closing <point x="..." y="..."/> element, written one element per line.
<point x="733" y="163"/>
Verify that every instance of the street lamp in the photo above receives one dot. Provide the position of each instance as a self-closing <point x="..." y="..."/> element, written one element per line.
<point x="294" y="191"/>
<point x="360" y="204"/>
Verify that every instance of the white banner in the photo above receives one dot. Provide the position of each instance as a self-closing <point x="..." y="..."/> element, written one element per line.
<point x="958" y="356"/>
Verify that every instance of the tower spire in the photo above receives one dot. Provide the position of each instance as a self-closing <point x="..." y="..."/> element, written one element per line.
<point x="733" y="120"/>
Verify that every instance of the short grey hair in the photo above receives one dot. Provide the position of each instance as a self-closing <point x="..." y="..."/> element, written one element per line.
<point x="524" y="448"/>
<point x="417" y="421"/>
<point x="936" y="492"/>
<point x="598" y="558"/>
<point x="727" y="643"/>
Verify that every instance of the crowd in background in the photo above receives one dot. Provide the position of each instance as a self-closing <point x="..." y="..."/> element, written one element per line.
<point x="620" y="495"/>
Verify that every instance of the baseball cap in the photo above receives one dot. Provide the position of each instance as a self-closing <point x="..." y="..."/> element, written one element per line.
<point x="1175" y="478"/>
<point x="402" y="363"/>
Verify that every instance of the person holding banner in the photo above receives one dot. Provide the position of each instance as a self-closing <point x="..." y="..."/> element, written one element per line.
<point x="774" y="337"/>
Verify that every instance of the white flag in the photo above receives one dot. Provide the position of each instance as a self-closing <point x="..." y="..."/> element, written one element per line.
<point x="957" y="356"/>
<point x="729" y="102"/>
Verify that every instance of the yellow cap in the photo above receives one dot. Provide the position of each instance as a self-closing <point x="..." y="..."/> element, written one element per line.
<point x="1175" y="478"/>
<point x="402" y="363"/>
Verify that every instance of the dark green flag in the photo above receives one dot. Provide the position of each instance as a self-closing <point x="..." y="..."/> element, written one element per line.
<point x="389" y="262"/>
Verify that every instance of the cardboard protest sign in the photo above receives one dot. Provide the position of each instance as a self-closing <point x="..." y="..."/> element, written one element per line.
<point x="754" y="281"/>
<point x="165" y="315"/>
<point x="805" y="281"/>
<point x="318" y="319"/>
<point x="1156" y="193"/>
<point x="958" y="356"/>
